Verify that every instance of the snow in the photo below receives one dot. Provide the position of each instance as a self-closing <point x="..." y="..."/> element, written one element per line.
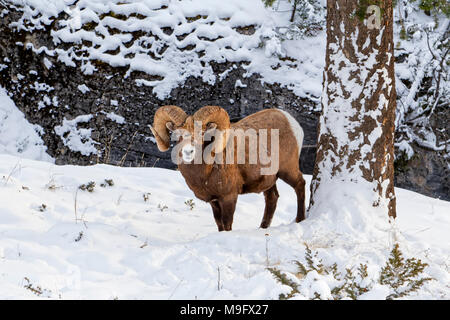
<point x="83" y="88"/>
<point x="26" y="142"/>
<point x="77" y="139"/>
<point x="211" y="29"/>
<point x="117" y="244"/>
<point x="424" y="35"/>
<point x="115" y="117"/>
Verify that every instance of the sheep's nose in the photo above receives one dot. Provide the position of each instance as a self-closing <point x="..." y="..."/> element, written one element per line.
<point x="188" y="152"/>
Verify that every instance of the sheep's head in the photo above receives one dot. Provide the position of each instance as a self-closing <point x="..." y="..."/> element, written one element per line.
<point x="192" y="133"/>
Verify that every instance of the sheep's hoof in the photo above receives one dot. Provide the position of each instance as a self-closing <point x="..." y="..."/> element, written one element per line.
<point x="264" y="225"/>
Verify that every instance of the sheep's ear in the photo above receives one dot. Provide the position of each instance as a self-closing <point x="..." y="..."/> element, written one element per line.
<point x="211" y="126"/>
<point x="170" y="126"/>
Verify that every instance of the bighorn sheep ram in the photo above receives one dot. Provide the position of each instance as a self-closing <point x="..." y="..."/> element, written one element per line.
<point x="218" y="183"/>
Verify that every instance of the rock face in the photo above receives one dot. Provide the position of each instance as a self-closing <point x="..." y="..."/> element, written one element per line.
<point x="102" y="117"/>
<point x="129" y="142"/>
<point x="428" y="171"/>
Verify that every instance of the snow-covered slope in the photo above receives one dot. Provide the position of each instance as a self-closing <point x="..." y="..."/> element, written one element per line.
<point x="17" y="135"/>
<point x="139" y="238"/>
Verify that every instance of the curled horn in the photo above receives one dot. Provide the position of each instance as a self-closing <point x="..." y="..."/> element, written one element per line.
<point x="163" y="115"/>
<point x="218" y="116"/>
<point x="213" y="114"/>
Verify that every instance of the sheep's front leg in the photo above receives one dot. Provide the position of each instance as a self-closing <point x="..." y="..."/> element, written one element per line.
<point x="217" y="211"/>
<point x="227" y="206"/>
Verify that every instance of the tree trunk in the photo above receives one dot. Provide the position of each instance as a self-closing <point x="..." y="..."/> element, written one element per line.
<point x="356" y="128"/>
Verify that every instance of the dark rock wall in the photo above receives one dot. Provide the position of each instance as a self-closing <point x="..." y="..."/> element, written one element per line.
<point x="127" y="144"/>
<point x="428" y="171"/>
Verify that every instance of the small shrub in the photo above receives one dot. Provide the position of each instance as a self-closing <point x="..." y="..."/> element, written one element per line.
<point x="402" y="275"/>
<point x="282" y="278"/>
<point x="79" y="237"/>
<point x="162" y="207"/>
<point x="403" y="34"/>
<point x="146" y="196"/>
<point x="51" y="185"/>
<point x="42" y="207"/>
<point x="435" y="7"/>
<point x="88" y="187"/>
<point x="190" y="203"/>
<point x="37" y="290"/>
<point x="351" y="286"/>
<point x="108" y="182"/>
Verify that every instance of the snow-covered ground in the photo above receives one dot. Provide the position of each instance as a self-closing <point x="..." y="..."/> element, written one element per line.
<point x="139" y="239"/>
<point x="142" y="238"/>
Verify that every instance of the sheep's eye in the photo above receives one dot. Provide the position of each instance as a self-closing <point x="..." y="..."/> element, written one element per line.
<point x="209" y="134"/>
<point x="181" y="134"/>
<point x="177" y="134"/>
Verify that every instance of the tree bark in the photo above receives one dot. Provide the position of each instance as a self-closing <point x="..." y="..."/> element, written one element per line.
<point x="356" y="127"/>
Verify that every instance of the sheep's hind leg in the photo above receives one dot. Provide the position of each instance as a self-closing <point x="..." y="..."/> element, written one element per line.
<point x="271" y="196"/>
<point x="217" y="214"/>
<point x="297" y="182"/>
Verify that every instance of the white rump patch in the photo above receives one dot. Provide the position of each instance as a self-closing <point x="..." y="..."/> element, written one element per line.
<point x="296" y="129"/>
